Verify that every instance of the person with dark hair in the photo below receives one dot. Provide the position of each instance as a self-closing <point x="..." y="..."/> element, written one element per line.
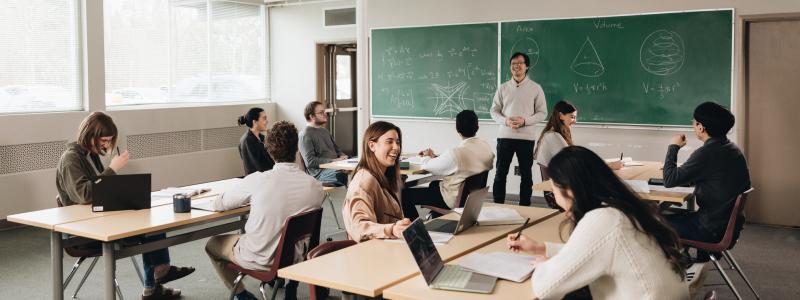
<point x="557" y="134"/>
<point x="517" y="106"/>
<point x="318" y="147"/>
<point x="274" y="195"/>
<point x="719" y="171"/>
<point x="371" y="207"/>
<point x="78" y="167"/>
<point x="472" y="156"/>
<point x="619" y="246"/>
<point x="251" y="146"/>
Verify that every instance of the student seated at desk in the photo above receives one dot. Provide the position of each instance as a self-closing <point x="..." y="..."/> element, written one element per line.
<point x="557" y="134"/>
<point x="620" y="247"/>
<point x="372" y="206"/>
<point x="472" y="156"/>
<point x="274" y="196"/>
<point x="718" y="169"/>
<point x="318" y="147"/>
<point x="77" y="168"/>
<point x="251" y="146"/>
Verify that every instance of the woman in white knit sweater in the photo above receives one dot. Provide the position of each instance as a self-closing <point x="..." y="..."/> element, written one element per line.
<point x="620" y="247"/>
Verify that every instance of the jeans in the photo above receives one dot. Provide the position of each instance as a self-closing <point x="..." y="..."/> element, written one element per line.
<point x="152" y="259"/>
<point x="506" y="148"/>
<point x="332" y="176"/>
<point x="430" y="195"/>
<point x="688" y="227"/>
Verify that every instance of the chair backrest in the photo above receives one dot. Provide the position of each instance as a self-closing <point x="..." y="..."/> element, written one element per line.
<point x="297" y="228"/>
<point x="474" y="182"/>
<point x="543" y="169"/>
<point x="332" y="246"/>
<point x="58" y="201"/>
<point x="727" y="241"/>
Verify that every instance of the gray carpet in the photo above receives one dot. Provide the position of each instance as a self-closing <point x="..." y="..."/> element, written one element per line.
<point x="767" y="255"/>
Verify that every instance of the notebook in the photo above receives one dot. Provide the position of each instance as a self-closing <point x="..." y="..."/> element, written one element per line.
<point x="505" y="265"/>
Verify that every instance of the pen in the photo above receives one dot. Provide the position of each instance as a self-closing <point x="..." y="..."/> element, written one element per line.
<point x="620" y="155"/>
<point x="519" y="232"/>
<point x="118" y="153"/>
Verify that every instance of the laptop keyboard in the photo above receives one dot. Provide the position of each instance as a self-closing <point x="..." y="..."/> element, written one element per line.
<point x="452" y="276"/>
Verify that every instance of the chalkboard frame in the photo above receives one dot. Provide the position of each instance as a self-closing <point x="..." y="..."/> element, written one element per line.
<point x="731" y="103"/>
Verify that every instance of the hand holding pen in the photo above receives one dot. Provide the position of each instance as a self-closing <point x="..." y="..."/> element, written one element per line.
<point x="119" y="161"/>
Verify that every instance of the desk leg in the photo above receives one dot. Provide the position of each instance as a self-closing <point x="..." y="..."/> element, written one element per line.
<point x="109" y="263"/>
<point x="56" y="257"/>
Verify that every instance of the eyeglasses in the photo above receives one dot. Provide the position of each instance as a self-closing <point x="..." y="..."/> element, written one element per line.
<point x="517" y="63"/>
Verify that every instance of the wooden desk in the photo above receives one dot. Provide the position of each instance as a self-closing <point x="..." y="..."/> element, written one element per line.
<point x="416" y="288"/>
<point x="370" y="267"/>
<point x="649" y="170"/>
<point x="109" y="227"/>
<point x="412" y="170"/>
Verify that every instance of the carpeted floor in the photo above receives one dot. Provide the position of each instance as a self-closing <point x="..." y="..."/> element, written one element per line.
<point x="769" y="257"/>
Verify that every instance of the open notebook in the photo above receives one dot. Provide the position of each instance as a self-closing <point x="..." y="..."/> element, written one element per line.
<point x="504" y="265"/>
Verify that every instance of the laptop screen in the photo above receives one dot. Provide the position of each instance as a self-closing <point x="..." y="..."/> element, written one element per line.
<point x="423" y="249"/>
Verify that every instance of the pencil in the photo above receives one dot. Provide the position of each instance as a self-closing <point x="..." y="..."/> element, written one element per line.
<point x="519" y="232"/>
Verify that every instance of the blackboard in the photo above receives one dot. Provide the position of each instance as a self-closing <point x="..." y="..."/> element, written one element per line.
<point x="641" y="69"/>
<point x="434" y="72"/>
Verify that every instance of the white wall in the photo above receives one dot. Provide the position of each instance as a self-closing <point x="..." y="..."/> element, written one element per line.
<point x="608" y="142"/>
<point x="294" y="33"/>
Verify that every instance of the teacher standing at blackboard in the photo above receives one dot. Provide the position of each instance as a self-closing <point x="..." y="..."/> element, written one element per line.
<point x="517" y="106"/>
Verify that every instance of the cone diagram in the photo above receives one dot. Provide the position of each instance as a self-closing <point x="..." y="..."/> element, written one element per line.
<point x="587" y="63"/>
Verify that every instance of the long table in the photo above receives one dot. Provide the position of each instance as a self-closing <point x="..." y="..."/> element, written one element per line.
<point x="416" y="287"/>
<point x="648" y="170"/>
<point x="111" y="227"/>
<point x="370" y="267"/>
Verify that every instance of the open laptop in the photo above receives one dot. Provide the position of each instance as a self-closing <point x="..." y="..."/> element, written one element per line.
<point x="469" y="217"/>
<point x="121" y="192"/>
<point x="438" y="275"/>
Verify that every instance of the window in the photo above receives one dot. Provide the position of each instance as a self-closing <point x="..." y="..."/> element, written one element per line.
<point x="188" y="51"/>
<point x="39" y="56"/>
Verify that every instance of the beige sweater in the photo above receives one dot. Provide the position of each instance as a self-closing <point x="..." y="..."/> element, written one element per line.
<point x="607" y="253"/>
<point x="365" y="207"/>
<point x="525" y="100"/>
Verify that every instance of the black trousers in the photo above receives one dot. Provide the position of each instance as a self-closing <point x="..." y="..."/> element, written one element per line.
<point x="430" y="195"/>
<point x="506" y="148"/>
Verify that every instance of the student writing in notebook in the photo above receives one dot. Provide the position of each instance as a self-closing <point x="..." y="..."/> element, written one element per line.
<point x="620" y="247"/>
<point x="77" y="168"/>
<point x="274" y="196"/>
<point x="557" y="134"/>
<point x="372" y="205"/>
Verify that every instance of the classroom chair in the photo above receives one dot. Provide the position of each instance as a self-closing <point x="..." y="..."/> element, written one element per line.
<point x="321" y="292"/>
<point x="82" y="253"/>
<point x="296" y="229"/>
<point x="327" y="187"/>
<point x="724" y="246"/>
<point x="472" y="183"/>
<point x="549" y="198"/>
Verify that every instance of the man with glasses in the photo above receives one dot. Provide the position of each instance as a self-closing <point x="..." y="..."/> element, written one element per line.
<point x="517" y="106"/>
<point x="317" y="146"/>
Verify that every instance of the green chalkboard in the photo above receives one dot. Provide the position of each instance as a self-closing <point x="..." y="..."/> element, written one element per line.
<point x="643" y="69"/>
<point x="434" y="72"/>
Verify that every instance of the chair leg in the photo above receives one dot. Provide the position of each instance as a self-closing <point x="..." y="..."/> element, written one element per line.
<point x="235" y="284"/>
<point x="119" y="291"/>
<point x="263" y="292"/>
<point x="333" y="210"/>
<point x="278" y="282"/>
<point x="88" y="271"/>
<point x="739" y="269"/>
<point x="72" y="272"/>
<point x="138" y="269"/>
<point x="725" y="277"/>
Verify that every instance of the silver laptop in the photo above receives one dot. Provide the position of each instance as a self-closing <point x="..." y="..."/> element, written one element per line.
<point x="438" y="275"/>
<point x="469" y="217"/>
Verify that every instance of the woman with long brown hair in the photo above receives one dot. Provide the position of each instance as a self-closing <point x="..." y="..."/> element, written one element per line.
<point x="557" y="134"/>
<point x="619" y="246"/>
<point x="372" y="205"/>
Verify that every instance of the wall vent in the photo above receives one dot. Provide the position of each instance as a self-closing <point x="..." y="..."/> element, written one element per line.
<point x="166" y="143"/>
<point x="30" y="157"/>
<point x="220" y="138"/>
<point x="339" y="17"/>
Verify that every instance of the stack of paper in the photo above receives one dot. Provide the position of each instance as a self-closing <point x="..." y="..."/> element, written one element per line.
<point x="169" y="192"/>
<point x="493" y="215"/>
<point x="508" y="266"/>
<point x="638" y="186"/>
<point x="677" y="189"/>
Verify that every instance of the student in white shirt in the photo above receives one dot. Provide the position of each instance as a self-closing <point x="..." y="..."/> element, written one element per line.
<point x="620" y="247"/>
<point x="274" y="196"/>
<point x="557" y="134"/>
<point x="472" y="156"/>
